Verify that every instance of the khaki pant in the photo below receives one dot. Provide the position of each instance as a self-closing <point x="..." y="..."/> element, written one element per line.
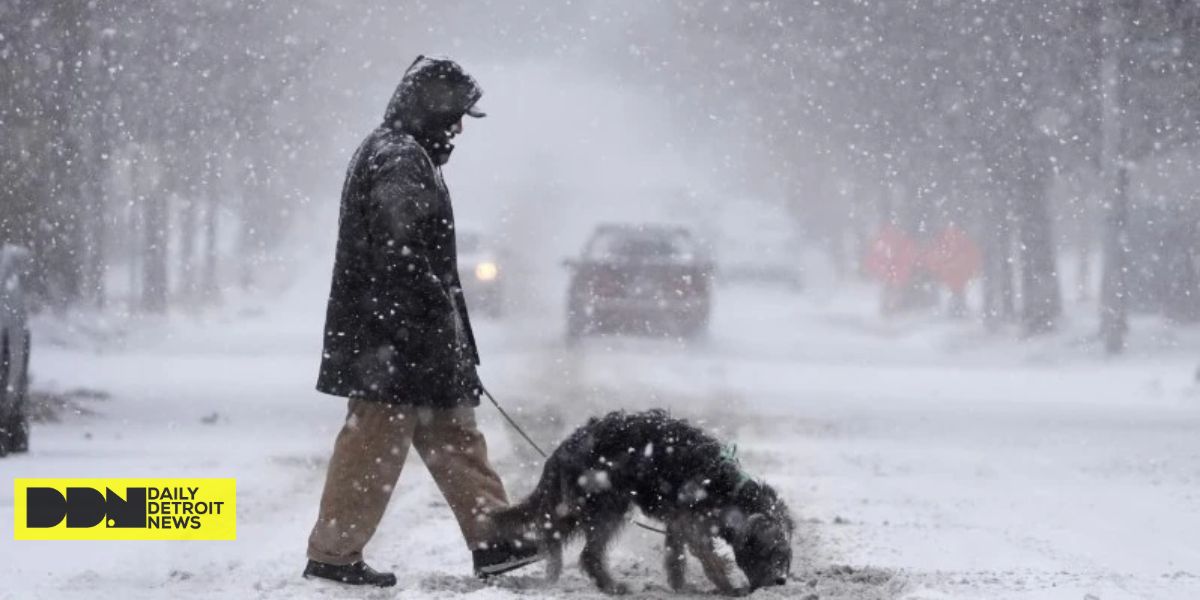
<point x="366" y="463"/>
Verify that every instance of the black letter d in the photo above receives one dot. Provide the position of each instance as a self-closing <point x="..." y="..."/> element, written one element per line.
<point x="44" y="507"/>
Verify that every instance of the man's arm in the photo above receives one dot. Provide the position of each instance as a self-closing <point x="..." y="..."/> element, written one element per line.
<point x="401" y="198"/>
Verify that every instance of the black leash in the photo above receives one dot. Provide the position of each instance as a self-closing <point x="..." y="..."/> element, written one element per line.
<point x="539" y="450"/>
<point x="513" y="423"/>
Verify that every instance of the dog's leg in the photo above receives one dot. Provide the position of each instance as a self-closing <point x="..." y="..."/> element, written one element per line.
<point x="594" y="558"/>
<point x="674" y="559"/>
<point x="715" y="567"/>
<point x="554" y="559"/>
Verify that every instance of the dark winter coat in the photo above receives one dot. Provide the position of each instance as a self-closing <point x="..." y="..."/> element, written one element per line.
<point x="396" y="326"/>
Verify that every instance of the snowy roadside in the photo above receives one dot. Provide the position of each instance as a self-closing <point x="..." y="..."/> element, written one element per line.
<point x="935" y="467"/>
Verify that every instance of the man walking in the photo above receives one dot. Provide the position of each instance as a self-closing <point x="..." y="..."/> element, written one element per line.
<point x="398" y="341"/>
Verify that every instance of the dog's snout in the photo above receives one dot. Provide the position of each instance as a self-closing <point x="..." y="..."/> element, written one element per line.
<point x="780" y="580"/>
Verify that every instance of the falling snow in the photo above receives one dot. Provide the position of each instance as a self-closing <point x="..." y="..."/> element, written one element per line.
<point x="933" y="267"/>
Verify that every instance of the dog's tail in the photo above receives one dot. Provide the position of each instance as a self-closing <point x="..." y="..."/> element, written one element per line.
<point x="530" y="515"/>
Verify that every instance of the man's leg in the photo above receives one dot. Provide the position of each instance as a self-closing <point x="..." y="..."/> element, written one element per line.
<point x="455" y="452"/>
<point x="366" y="462"/>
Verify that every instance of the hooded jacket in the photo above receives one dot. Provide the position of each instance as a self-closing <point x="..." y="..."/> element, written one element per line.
<point x="396" y="324"/>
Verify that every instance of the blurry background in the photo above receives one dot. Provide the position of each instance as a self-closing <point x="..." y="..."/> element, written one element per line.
<point x="931" y="223"/>
<point x="157" y="153"/>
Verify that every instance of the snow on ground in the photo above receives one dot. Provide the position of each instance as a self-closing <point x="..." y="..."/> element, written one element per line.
<point x="923" y="458"/>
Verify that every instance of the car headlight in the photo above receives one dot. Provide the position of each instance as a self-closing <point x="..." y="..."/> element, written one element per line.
<point x="486" y="271"/>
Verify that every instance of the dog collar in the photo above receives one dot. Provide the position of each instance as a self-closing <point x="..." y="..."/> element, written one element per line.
<point x="729" y="455"/>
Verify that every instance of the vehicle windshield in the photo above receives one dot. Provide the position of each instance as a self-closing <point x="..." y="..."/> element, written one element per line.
<point x="633" y="244"/>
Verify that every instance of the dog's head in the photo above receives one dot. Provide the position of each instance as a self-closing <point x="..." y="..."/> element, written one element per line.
<point x="760" y="534"/>
<point x="763" y="550"/>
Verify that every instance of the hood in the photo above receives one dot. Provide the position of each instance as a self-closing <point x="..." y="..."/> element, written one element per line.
<point x="433" y="95"/>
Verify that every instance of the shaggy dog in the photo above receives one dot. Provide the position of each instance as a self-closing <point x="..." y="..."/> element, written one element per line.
<point x="675" y="473"/>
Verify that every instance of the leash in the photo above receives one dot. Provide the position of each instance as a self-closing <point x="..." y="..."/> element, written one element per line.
<point x="539" y="450"/>
<point x="513" y="423"/>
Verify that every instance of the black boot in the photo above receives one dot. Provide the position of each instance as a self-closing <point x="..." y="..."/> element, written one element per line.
<point x="502" y="557"/>
<point x="352" y="574"/>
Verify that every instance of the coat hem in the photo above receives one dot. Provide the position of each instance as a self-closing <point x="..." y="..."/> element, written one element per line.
<point x="467" y="400"/>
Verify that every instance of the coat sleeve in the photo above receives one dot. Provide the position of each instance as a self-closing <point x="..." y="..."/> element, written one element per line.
<point x="399" y="206"/>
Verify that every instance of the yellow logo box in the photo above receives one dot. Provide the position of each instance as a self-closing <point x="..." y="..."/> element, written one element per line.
<point x="125" y="509"/>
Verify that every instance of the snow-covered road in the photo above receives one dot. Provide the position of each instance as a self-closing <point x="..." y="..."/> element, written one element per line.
<point x="934" y="461"/>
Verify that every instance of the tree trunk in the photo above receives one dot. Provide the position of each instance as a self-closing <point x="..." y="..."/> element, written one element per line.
<point x="1114" y="301"/>
<point x="93" y="225"/>
<point x="188" y="283"/>
<point x="154" y="250"/>
<point x="248" y="233"/>
<point x="133" y="244"/>
<point x="1041" y="297"/>
<point x="1085" y="239"/>
<point x="93" y="129"/>
<point x="998" y="307"/>
<point x="61" y="213"/>
<point x="209" y="289"/>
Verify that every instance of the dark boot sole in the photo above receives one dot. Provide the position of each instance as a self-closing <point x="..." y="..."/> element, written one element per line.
<point x="505" y="567"/>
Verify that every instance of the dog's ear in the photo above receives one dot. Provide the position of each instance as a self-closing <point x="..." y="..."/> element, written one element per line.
<point x="738" y="526"/>
<point x="733" y="526"/>
<point x="756" y="521"/>
<point x="775" y="531"/>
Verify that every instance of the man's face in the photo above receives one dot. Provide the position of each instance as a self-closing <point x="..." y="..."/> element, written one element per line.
<point x="441" y="139"/>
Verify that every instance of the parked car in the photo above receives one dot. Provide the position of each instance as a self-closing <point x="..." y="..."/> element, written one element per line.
<point x="14" y="352"/>
<point x="639" y="278"/>
<point x="479" y="268"/>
